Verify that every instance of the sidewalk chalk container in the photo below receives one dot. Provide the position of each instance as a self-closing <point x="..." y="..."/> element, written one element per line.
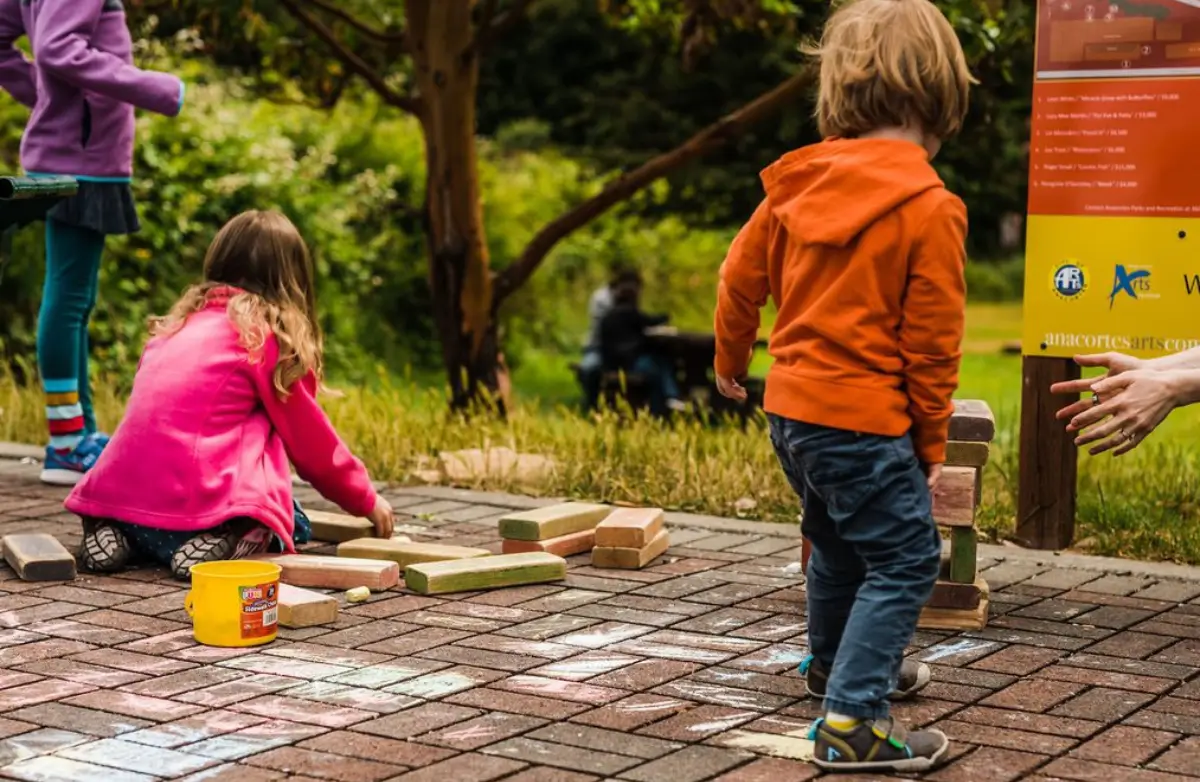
<point x="234" y="603"/>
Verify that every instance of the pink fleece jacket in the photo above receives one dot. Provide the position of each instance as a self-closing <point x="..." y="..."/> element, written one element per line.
<point x="206" y="439"/>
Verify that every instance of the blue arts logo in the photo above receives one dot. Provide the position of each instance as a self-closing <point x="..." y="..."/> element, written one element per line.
<point x="1070" y="280"/>
<point x="1132" y="281"/>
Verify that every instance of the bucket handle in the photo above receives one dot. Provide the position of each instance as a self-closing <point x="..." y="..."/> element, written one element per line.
<point x="189" y="605"/>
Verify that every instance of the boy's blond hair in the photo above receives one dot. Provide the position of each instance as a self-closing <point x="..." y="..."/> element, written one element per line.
<point x="890" y="63"/>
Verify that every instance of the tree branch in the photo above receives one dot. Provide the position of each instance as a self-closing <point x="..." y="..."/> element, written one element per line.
<point x="351" y="60"/>
<point x="707" y="140"/>
<point x="384" y="36"/>
<point x="490" y="31"/>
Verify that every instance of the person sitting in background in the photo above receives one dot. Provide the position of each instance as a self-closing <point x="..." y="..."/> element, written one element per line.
<point x="591" y="366"/>
<point x="624" y="347"/>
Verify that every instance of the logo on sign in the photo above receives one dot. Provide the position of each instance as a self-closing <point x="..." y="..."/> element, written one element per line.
<point x="1131" y="281"/>
<point x="1070" y="281"/>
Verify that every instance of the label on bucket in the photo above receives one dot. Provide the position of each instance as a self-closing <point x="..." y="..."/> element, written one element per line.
<point x="260" y="610"/>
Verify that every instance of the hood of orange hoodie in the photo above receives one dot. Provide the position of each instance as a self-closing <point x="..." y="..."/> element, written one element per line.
<point x="828" y="193"/>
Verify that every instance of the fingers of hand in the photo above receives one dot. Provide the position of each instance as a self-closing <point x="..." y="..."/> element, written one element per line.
<point x="1126" y="435"/>
<point x="1072" y="410"/>
<point x="1072" y="386"/>
<point x="1097" y="432"/>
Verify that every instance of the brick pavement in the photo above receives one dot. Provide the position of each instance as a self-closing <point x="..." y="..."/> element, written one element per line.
<point x="684" y="672"/>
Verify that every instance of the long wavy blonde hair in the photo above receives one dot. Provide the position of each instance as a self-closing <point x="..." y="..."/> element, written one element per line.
<point x="262" y="255"/>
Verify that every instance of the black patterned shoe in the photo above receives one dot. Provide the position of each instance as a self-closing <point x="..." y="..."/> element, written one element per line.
<point x="206" y="547"/>
<point x="913" y="678"/>
<point x="881" y="745"/>
<point x="105" y="549"/>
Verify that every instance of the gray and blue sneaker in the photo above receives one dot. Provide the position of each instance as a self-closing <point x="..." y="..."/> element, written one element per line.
<point x="879" y="745"/>
<point x="67" y="469"/>
<point x="913" y="678"/>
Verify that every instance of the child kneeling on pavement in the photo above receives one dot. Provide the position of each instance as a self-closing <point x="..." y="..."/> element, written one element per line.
<point x="224" y="397"/>
<point x="861" y="246"/>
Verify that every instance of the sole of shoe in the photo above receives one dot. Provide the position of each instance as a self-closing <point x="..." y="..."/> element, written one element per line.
<point x="903" y="766"/>
<point x="53" y="477"/>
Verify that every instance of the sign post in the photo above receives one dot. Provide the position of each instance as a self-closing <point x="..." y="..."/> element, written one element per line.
<point x="1113" y="249"/>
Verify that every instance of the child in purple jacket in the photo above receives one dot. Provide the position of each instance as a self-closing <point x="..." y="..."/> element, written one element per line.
<point x="83" y="88"/>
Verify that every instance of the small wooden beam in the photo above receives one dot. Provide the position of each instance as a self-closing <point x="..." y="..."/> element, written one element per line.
<point x="972" y="421"/>
<point x="562" y="546"/>
<point x="954" y="497"/>
<point x="966" y="454"/>
<point x="468" y="575"/>
<point x="964" y="543"/>
<point x="947" y="594"/>
<point x="405" y="553"/>
<point x="552" y="521"/>
<point x="36" y="556"/>
<point x="308" y="570"/>
<point x="955" y="619"/>
<point x="630" y="558"/>
<point x="629" y="528"/>
<point x="338" y="527"/>
<point x="302" y="608"/>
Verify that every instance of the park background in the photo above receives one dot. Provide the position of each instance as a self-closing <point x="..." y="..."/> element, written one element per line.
<point x="575" y="92"/>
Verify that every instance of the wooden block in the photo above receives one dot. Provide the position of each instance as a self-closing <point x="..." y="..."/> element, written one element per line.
<point x="966" y="454"/>
<point x="972" y="421"/>
<point x="947" y="594"/>
<point x="302" y="608"/>
<point x="630" y="558"/>
<point x="954" y="497"/>
<point x="553" y="521"/>
<point x="562" y="546"/>
<point x="405" y="553"/>
<point x="955" y="619"/>
<point x="468" y="575"/>
<point x="963" y="546"/>
<point x="338" y="527"/>
<point x="37" y="556"/>
<point x="308" y="570"/>
<point x="629" y="528"/>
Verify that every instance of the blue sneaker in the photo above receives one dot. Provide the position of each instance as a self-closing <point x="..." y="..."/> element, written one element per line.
<point x="68" y="469"/>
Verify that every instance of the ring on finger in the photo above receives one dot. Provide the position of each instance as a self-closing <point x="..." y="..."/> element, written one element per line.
<point x="1095" y="399"/>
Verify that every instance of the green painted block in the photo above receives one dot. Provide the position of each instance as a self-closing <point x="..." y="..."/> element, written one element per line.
<point x="552" y="521"/>
<point x="960" y="453"/>
<point x="469" y="575"/>
<point x="963" y="544"/>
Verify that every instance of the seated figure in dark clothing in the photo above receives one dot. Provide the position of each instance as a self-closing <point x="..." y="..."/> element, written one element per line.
<point x="624" y="347"/>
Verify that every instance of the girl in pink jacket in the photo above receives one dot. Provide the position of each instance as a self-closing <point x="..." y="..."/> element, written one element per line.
<point x="224" y="397"/>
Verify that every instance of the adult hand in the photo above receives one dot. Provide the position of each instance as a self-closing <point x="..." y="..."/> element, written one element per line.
<point x="1116" y="363"/>
<point x="1134" y="404"/>
<point x="730" y="389"/>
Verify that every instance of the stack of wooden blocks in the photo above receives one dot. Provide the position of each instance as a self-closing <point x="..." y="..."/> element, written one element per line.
<point x="630" y="538"/>
<point x="960" y="599"/>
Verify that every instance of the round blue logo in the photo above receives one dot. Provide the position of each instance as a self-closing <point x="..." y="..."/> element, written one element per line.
<point x="1069" y="280"/>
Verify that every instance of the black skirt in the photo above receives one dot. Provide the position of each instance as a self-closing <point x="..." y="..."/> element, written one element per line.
<point x="104" y="207"/>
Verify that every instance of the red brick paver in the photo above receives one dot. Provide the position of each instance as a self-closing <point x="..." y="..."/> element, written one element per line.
<point x="642" y="676"/>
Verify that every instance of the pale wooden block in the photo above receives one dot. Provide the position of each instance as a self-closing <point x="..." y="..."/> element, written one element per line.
<point x="630" y="558"/>
<point x="955" y="619"/>
<point x="468" y="575"/>
<point x="302" y="608"/>
<point x="552" y="521"/>
<point x="406" y="553"/>
<point x="960" y="453"/>
<point x="954" y="497"/>
<point x="338" y="527"/>
<point x="629" y="528"/>
<point x="562" y="546"/>
<point x="308" y="570"/>
<point x="36" y="556"/>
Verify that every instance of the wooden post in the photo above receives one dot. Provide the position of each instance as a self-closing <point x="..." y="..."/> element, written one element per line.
<point x="1049" y="459"/>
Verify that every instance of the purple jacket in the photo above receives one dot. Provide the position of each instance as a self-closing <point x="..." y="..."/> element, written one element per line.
<point x="82" y="86"/>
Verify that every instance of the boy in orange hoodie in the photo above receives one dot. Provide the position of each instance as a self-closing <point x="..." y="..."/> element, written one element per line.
<point x="861" y="247"/>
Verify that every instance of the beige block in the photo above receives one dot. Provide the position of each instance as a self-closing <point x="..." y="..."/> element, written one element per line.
<point x="630" y="558"/>
<point x="302" y="608"/>
<point x="308" y="570"/>
<point x="404" y="553"/>
<point x="338" y="527"/>
<point x="629" y="528"/>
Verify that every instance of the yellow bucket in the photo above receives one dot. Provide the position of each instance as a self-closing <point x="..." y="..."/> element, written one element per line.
<point x="234" y="603"/>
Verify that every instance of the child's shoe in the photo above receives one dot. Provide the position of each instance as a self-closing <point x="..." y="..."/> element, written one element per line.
<point x="880" y="745"/>
<point x="213" y="546"/>
<point x="913" y="678"/>
<point x="105" y="549"/>
<point x="67" y="469"/>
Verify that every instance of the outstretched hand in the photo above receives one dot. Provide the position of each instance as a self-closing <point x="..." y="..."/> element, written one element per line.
<point x="1124" y="410"/>
<point x="1115" y="363"/>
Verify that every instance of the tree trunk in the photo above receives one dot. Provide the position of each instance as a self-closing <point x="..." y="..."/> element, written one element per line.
<point x="447" y="74"/>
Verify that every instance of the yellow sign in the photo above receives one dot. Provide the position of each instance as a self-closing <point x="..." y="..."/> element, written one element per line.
<point x="1113" y="253"/>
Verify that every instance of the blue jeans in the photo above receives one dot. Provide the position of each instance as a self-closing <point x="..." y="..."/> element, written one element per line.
<point x="875" y="558"/>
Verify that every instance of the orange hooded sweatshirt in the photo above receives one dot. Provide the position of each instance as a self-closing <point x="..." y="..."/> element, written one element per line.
<point x="861" y="247"/>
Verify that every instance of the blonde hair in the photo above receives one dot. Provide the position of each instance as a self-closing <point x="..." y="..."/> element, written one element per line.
<point x="263" y="256"/>
<point x="890" y="63"/>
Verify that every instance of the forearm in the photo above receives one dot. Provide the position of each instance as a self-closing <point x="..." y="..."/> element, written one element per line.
<point x="1186" y="360"/>
<point x="1185" y="386"/>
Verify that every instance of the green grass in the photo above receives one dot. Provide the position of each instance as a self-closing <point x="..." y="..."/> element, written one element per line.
<point x="1144" y="505"/>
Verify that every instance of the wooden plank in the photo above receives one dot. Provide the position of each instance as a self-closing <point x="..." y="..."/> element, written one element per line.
<point x="955" y="619"/>
<point x="552" y="521"/>
<point x="562" y="546"/>
<point x="629" y="528"/>
<point x="954" y="497"/>
<point x="468" y="575"/>
<point x="1049" y="458"/>
<point x="338" y="527"/>
<point x="404" y="553"/>
<point x="972" y="421"/>
<point x="947" y="594"/>
<point x="630" y="558"/>
<point x="960" y="453"/>
<point x="964" y="543"/>
<point x="302" y="608"/>
<point x="308" y="570"/>
<point x="36" y="556"/>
